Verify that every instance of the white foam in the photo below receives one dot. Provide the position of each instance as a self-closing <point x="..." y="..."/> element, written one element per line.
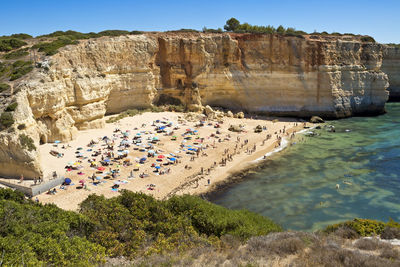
<point x="284" y="144"/>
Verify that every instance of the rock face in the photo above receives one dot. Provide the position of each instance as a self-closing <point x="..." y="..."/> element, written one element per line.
<point x="391" y="66"/>
<point x="269" y="74"/>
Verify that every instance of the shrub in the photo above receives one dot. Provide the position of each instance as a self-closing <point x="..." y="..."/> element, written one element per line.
<point x="211" y="219"/>
<point x="390" y="253"/>
<point x="370" y="244"/>
<point x="113" y="33"/>
<point x="16" y="54"/>
<point x="346" y="232"/>
<point x="12" y="106"/>
<point x="26" y="142"/>
<point x="282" y="245"/>
<point x="363" y="227"/>
<point x="6" y="119"/>
<point x="368" y="39"/>
<point x="21" y="36"/>
<point x="10" y="44"/>
<point x="4" y="87"/>
<point x="20" y="68"/>
<point x="391" y="233"/>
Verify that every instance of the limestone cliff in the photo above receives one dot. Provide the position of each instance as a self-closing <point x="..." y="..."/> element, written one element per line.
<point x="391" y="66"/>
<point x="270" y="74"/>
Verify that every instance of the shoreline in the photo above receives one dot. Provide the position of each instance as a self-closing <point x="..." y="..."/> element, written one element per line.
<point x="236" y="174"/>
<point x="191" y="179"/>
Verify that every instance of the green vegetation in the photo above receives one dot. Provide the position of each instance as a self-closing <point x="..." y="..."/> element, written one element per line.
<point x="4" y="87"/>
<point x="9" y="44"/>
<point x="364" y="227"/>
<point x="131" y="224"/>
<point x="6" y="119"/>
<point x="233" y="25"/>
<point x="27" y="142"/>
<point x="51" y="48"/>
<point x="35" y="235"/>
<point x="12" y="106"/>
<point x="72" y="37"/>
<point x="22" y="36"/>
<point x="20" y="68"/>
<point x="367" y="39"/>
<point x="17" y="54"/>
<point x="211" y="219"/>
<point x="219" y="30"/>
<point x="133" y="112"/>
<point x="393" y="45"/>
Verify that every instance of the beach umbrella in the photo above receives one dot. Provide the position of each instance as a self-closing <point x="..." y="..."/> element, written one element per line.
<point x="82" y="181"/>
<point x="161" y="156"/>
<point x="155" y="138"/>
<point x="101" y="168"/>
<point x="70" y="163"/>
<point x="57" y="141"/>
<point x="137" y="165"/>
<point x="67" y="181"/>
<point x="98" y="178"/>
<point x="143" y="159"/>
<point x="172" y="159"/>
<point x="151" y="152"/>
<point x="117" y="182"/>
<point x="107" y="160"/>
<point x="157" y="167"/>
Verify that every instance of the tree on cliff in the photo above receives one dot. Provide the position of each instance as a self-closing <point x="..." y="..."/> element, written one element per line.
<point x="231" y="25"/>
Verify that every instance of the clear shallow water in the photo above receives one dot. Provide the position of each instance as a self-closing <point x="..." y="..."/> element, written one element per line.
<point x="297" y="187"/>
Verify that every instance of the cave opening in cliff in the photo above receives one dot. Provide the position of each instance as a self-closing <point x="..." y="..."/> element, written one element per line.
<point x="42" y="140"/>
<point x="164" y="99"/>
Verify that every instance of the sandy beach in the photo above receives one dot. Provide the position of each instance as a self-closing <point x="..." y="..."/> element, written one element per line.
<point x="160" y="154"/>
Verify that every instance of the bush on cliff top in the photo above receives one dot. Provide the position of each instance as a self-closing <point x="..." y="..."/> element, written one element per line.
<point x="363" y="227"/>
<point x="132" y="224"/>
<point x="9" y="44"/>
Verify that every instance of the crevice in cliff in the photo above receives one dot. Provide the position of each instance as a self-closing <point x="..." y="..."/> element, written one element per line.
<point x="161" y="61"/>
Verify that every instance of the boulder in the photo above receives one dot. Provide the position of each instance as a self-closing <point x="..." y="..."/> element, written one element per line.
<point x="229" y="114"/>
<point x="208" y="110"/>
<point x="239" y="115"/>
<point x="316" y="119"/>
<point x="258" y="129"/>
<point x="235" y="128"/>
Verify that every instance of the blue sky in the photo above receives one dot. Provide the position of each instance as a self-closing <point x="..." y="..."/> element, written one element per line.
<point x="378" y="18"/>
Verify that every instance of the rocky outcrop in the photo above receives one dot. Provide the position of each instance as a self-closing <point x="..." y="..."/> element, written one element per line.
<point x="391" y="66"/>
<point x="269" y="74"/>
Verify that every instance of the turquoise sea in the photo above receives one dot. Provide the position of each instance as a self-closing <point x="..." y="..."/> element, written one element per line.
<point x="297" y="187"/>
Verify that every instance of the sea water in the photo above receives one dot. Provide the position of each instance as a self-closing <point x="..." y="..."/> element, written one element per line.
<point x="297" y="187"/>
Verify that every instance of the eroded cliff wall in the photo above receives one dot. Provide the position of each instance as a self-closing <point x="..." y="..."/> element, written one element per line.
<point x="268" y="74"/>
<point x="391" y="66"/>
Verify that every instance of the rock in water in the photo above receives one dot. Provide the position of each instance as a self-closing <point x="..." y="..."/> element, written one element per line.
<point x="316" y="119"/>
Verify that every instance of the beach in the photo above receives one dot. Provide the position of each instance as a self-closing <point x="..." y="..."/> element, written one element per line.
<point x="160" y="154"/>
